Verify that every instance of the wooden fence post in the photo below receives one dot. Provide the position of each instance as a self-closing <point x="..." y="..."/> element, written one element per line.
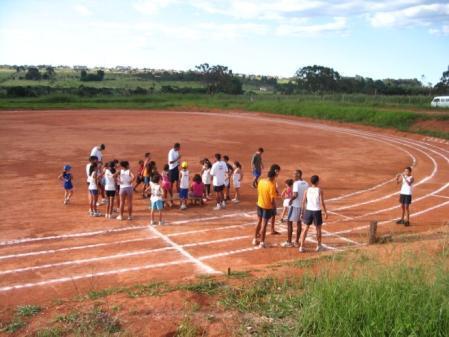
<point x="372" y="232"/>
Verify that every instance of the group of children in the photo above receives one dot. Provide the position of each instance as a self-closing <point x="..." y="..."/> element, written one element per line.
<point x="302" y="204"/>
<point x="113" y="183"/>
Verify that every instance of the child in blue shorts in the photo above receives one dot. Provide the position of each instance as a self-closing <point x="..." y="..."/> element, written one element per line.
<point x="157" y="200"/>
<point x="184" y="185"/>
<point x="66" y="178"/>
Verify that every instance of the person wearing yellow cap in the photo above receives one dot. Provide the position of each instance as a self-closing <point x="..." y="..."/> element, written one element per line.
<point x="184" y="185"/>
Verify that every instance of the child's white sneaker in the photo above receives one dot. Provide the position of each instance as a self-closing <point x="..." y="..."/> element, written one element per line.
<point x="217" y="208"/>
<point x="223" y="204"/>
<point x="235" y="201"/>
<point x="262" y="245"/>
<point x="130" y="217"/>
<point x="319" y="248"/>
<point x="183" y="207"/>
<point x="97" y="214"/>
<point x="286" y="244"/>
<point x="301" y="249"/>
<point x="255" y="242"/>
<point x="161" y="223"/>
<point x="119" y="218"/>
<point x="152" y="223"/>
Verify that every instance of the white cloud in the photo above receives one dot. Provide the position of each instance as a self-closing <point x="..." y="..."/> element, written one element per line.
<point x="421" y="15"/>
<point x="338" y="24"/>
<point x="152" y="6"/>
<point x="82" y="10"/>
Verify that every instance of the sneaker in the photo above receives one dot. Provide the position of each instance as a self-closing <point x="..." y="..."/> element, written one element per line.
<point x="183" y="207"/>
<point x="296" y="244"/>
<point x="119" y="218"/>
<point x="161" y="223"/>
<point x="255" y="242"/>
<point x="319" y="248"/>
<point x="262" y="245"/>
<point x="217" y="208"/>
<point x="286" y="244"/>
<point x="223" y="204"/>
<point x="235" y="201"/>
<point x="301" y="250"/>
<point x="407" y="223"/>
<point x="130" y="217"/>
<point x="106" y="216"/>
<point x="400" y="222"/>
<point x="152" y="223"/>
<point x="98" y="204"/>
<point x="66" y="201"/>
<point x="97" y="214"/>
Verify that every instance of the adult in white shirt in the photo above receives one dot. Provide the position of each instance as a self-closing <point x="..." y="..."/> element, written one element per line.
<point x="97" y="152"/>
<point x="218" y="172"/>
<point x="294" y="210"/>
<point x="174" y="157"/>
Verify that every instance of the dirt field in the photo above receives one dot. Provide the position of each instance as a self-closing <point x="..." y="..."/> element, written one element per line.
<point x="51" y="251"/>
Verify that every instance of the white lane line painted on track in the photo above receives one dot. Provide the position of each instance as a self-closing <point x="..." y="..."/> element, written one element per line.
<point x="441" y="196"/>
<point x="341" y="237"/>
<point x="53" y="251"/>
<point x="83" y="261"/>
<point x="114" y="230"/>
<point x="122" y="255"/>
<point x="341" y="215"/>
<point x="92" y="275"/>
<point x="68" y="249"/>
<point x="71" y="235"/>
<point x="351" y="230"/>
<point x="201" y="265"/>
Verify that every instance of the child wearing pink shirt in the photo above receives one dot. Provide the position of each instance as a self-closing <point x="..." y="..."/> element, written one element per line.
<point x="197" y="189"/>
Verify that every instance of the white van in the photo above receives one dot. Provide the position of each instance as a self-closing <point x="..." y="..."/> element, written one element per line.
<point x="440" y="102"/>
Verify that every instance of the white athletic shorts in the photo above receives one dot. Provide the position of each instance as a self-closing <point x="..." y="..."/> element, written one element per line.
<point x="286" y="203"/>
<point x="294" y="214"/>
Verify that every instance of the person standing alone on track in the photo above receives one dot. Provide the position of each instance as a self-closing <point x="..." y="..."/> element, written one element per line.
<point x="405" y="197"/>
<point x="257" y="166"/>
<point x="173" y="167"/>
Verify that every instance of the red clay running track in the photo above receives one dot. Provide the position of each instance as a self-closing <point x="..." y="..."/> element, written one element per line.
<point x="48" y="250"/>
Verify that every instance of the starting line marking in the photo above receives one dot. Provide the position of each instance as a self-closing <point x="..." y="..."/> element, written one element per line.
<point x="204" y="267"/>
<point x="440" y="196"/>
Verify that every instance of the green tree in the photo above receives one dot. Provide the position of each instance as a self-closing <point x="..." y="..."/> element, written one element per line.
<point x="33" y="74"/>
<point x="317" y="78"/>
<point x="219" y="78"/>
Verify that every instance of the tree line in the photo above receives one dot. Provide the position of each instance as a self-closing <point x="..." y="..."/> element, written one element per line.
<point x="310" y="79"/>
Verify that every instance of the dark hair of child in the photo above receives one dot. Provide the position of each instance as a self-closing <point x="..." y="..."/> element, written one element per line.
<point x="409" y="168"/>
<point x="217" y="156"/>
<point x="314" y="180"/>
<point x="289" y="182"/>
<point x="166" y="167"/>
<point x="225" y="157"/>
<point x="156" y="178"/>
<point x="237" y="164"/>
<point x="271" y="174"/>
<point x="92" y="168"/>
<point x="124" y="164"/>
<point x="197" y="178"/>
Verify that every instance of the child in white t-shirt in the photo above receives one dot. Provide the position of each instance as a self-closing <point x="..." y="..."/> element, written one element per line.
<point x="157" y="200"/>
<point x="237" y="176"/>
<point x="184" y="185"/>
<point x="206" y="177"/>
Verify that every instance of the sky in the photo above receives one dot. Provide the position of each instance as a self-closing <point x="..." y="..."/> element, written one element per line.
<point x="377" y="39"/>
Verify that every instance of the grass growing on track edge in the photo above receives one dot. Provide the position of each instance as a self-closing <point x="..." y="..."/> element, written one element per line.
<point x="398" y="300"/>
<point x="366" y="111"/>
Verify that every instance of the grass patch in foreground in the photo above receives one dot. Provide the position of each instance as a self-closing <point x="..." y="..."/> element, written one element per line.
<point x="380" y="301"/>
